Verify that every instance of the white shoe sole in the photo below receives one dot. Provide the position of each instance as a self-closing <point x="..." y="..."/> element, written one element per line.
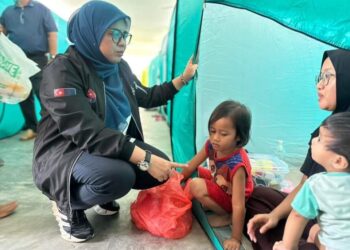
<point x="101" y="211"/>
<point x="66" y="236"/>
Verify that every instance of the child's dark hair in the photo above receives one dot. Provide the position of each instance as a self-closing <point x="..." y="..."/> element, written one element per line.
<point x="339" y="127"/>
<point x="240" y="116"/>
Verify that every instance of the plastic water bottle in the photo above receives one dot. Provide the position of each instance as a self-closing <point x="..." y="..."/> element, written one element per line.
<point x="280" y="151"/>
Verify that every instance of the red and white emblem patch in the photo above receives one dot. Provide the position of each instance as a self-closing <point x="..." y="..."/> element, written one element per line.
<point x="61" y="92"/>
<point x="91" y="95"/>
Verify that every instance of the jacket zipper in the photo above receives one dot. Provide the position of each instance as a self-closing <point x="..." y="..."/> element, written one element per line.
<point x="104" y="93"/>
<point x="137" y="126"/>
<point x="144" y="91"/>
<point x="138" y="87"/>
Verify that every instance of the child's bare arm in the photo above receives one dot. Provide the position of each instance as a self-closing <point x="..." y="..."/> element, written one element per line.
<point x="238" y="203"/>
<point x="313" y="235"/>
<point x="292" y="232"/>
<point x="198" y="159"/>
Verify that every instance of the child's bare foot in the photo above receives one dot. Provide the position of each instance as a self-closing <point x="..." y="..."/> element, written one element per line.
<point x="216" y="220"/>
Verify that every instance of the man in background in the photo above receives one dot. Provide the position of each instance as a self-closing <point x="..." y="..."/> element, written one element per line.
<point x="30" y="25"/>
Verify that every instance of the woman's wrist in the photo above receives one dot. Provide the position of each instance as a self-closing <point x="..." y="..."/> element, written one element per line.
<point x="178" y="83"/>
<point x="184" y="81"/>
<point x="181" y="81"/>
<point x="50" y="56"/>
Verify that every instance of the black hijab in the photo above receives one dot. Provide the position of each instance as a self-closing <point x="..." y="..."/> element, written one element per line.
<point x="341" y="61"/>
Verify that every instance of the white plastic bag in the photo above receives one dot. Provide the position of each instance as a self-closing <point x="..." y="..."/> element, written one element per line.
<point x="15" y="70"/>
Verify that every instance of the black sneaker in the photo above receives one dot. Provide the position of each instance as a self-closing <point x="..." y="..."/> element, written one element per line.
<point x="109" y="208"/>
<point x="76" y="229"/>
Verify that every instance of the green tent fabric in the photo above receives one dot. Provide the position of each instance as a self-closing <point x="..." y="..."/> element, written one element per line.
<point x="155" y="71"/>
<point x="269" y="68"/>
<point x="323" y="20"/>
<point x="187" y="23"/>
<point x="11" y="118"/>
<point x="247" y="55"/>
<point x="158" y="70"/>
<point x="169" y="61"/>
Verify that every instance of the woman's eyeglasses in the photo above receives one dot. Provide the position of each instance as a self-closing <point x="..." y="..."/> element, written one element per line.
<point x="117" y="35"/>
<point x="323" y="78"/>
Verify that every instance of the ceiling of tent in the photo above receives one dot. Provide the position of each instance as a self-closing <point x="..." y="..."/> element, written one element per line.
<point x="150" y="23"/>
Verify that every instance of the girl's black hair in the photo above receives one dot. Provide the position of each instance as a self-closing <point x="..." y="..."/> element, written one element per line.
<point x="240" y="116"/>
<point x="339" y="127"/>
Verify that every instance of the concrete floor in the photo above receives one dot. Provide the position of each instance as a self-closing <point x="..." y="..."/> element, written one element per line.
<point x="33" y="226"/>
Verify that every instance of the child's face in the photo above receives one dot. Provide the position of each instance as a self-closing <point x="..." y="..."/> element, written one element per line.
<point x="320" y="153"/>
<point x="222" y="135"/>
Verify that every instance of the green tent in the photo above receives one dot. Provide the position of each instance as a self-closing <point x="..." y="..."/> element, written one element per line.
<point x="263" y="54"/>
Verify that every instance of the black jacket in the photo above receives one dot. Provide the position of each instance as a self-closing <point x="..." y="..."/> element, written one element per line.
<point x="73" y="112"/>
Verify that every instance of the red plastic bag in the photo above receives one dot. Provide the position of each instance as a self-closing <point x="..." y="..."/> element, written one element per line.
<point x="164" y="210"/>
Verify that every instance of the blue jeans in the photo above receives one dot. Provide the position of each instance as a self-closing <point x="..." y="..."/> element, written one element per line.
<point x="98" y="180"/>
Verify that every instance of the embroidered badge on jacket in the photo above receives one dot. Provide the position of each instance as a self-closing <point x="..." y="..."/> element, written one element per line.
<point x="61" y="92"/>
<point x="91" y="95"/>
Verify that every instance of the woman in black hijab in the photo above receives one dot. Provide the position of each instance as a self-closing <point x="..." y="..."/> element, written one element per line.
<point x="268" y="208"/>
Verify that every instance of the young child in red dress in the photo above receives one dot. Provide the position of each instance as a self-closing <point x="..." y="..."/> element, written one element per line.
<point x="225" y="186"/>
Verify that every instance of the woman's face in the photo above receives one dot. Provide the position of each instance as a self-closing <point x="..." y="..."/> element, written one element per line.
<point x="113" y="42"/>
<point x="326" y="87"/>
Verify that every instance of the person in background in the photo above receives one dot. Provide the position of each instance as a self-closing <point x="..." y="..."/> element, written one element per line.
<point x="225" y="186"/>
<point x="267" y="209"/>
<point x="324" y="195"/>
<point x="90" y="148"/>
<point x="30" y="25"/>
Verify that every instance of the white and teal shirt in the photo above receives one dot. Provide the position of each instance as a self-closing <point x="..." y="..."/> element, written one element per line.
<point x="327" y="197"/>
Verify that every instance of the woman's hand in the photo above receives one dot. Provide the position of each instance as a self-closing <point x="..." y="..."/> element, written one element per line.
<point x="232" y="244"/>
<point x="160" y="168"/>
<point x="263" y="221"/>
<point x="186" y="76"/>
<point x="190" y="70"/>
